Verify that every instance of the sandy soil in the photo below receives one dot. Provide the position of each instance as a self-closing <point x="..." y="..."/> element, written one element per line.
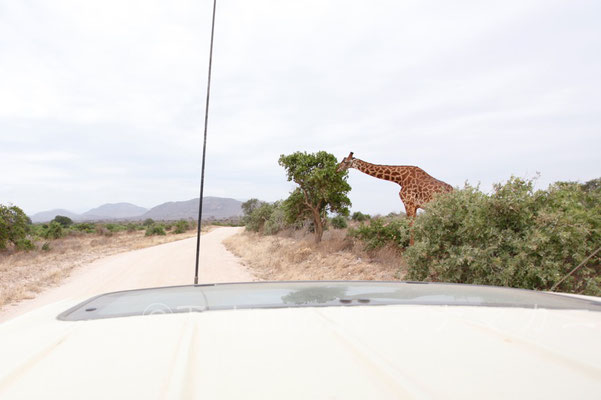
<point x="162" y="265"/>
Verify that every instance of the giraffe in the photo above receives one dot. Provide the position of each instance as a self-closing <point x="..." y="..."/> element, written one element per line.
<point x="417" y="186"/>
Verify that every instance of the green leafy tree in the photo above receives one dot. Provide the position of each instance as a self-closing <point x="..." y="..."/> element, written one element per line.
<point x="249" y="206"/>
<point x="64" y="221"/>
<point x="14" y="225"/>
<point x="320" y="188"/>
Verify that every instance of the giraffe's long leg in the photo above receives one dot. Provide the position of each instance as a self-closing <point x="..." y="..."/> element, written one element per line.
<point x="411" y="211"/>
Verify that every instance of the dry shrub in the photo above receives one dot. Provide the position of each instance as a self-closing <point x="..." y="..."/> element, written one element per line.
<point x="23" y="274"/>
<point x="294" y="255"/>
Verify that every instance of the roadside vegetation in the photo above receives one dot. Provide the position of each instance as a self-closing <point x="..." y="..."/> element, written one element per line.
<point x="515" y="236"/>
<point x="35" y="256"/>
<point x="17" y="233"/>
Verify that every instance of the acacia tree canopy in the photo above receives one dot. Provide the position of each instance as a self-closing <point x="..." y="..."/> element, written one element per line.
<point x="320" y="188"/>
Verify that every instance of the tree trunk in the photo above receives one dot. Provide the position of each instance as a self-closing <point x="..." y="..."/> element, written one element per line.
<point x="318" y="225"/>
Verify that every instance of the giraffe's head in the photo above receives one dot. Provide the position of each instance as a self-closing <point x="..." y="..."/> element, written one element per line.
<point x="346" y="163"/>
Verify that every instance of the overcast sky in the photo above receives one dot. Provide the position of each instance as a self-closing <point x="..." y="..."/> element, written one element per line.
<point x="103" y="101"/>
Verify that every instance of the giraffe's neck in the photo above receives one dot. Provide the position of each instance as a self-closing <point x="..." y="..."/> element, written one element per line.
<point x="393" y="173"/>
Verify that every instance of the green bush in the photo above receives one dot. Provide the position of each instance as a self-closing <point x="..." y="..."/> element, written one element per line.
<point x="259" y="215"/>
<point x="46" y="247"/>
<point x="232" y="221"/>
<point x="267" y="218"/>
<point x="64" y="221"/>
<point x="339" y="222"/>
<point x="37" y="231"/>
<point x="54" y="231"/>
<point x="131" y="227"/>
<point x="25" y="245"/>
<point x="250" y="205"/>
<point x="382" y="232"/>
<point x="181" y="226"/>
<point x="592" y="185"/>
<point x="155" y="229"/>
<point x="86" y="227"/>
<point x="514" y="237"/>
<point x="359" y="216"/>
<point x="115" y="227"/>
<point x="276" y="221"/>
<point x="148" y="222"/>
<point x="14" y="225"/>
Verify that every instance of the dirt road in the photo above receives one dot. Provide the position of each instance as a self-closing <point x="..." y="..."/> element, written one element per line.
<point x="164" y="265"/>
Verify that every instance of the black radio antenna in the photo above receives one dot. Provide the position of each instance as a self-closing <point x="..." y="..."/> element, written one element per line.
<point x="204" y="147"/>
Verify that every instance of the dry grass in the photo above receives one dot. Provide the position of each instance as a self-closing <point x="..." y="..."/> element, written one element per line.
<point x="23" y="274"/>
<point x="295" y="256"/>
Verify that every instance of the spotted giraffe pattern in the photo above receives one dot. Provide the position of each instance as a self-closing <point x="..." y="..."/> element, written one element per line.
<point x="417" y="186"/>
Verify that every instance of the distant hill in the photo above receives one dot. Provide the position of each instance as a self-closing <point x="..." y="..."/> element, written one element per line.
<point x="114" y="211"/>
<point x="46" y="216"/>
<point x="213" y="207"/>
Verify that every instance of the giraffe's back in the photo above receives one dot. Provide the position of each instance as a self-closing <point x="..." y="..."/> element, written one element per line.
<point x="416" y="183"/>
<point x="422" y="186"/>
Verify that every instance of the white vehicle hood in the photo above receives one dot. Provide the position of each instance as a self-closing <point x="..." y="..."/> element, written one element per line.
<point x="380" y="352"/>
